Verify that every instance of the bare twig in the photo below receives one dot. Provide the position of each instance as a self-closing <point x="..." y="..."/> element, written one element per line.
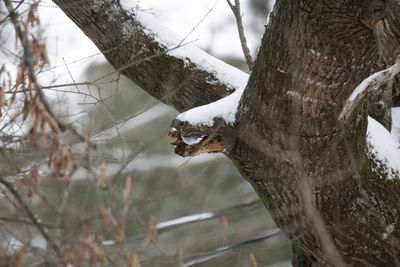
<point x="197" y="25"/>
<point x="220" y="251"/>
<point x="70" y="75"/>
<point x="28" y="57"/>
<point x="31" y="216"/>
<point x="6" y="17"/>
<point x="22" y="221"/>
<point x="246" y="51"/>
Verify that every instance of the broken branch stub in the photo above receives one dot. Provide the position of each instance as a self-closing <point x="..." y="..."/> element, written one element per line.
<point x="368" y="85"/>
<point x="193" y="140"/>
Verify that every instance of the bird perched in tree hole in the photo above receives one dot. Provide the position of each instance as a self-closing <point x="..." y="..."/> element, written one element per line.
<point x="193" y="137"/>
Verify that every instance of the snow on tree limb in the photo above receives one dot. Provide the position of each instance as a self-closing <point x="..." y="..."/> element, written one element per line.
<point x="180" y="47"/>
<point x="168" y="67"/>
<point x="370" y="84"/>
<point x="199" y="130"/>
<point x="225" y="108"/>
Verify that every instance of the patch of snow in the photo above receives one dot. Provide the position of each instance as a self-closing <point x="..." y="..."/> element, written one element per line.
<point x="384" y="147"/>
<point x="388" y="231"/>
<point x="185" y="219"/>
<point x="108" y="242"/>
<point x="180" y="48"/>
<point x="13" y="244"/>
<point x="39" y="242"/>
<point x="224" y="108"/>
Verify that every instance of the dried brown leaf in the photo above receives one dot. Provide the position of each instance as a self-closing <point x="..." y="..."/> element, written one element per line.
<point x="153" y="227"/>
<point x="32" y="17"/>
<point x="34" y="174"/>
<point x="253" y="262"/>
<point x="19" y="79"/>
<point x="101" y="180"/>
<point x="132" y="261"/>
<point x="224" y="233"/>
<point x="50" y="121"/>
<point x="151" y="233"/>
<point x="127" y="191"/>
<point x="143" y="229"/>
<point x="108" y="219"/>
<point x="95" y="251"/>
<point x="3" y="98"/>
<point x="146" y="240"/>
<point x="19" y="256"/>
<point x="89" y="130"/>
<point x="120" y="236"/>
<point x="53" y="150"/>
<point x="26" y="109"/>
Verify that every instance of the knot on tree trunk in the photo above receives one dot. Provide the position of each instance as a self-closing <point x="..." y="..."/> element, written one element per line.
<point x="193" y="140"/>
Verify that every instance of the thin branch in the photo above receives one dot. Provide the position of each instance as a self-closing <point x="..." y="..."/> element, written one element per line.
<point x="70" y="75"/>
<point x="21" y="221"/>
<point x="30" y="214"/>
<point x="166" y="226"/>
<point x="6" y="17"/>
<point x="197" y="25"/>
<point x="246" y="51"/>
<point x="28" y="56"/>
<point x="219" y="251"/>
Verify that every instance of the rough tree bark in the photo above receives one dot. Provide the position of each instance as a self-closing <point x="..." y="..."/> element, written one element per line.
<point x="315" y="175"/>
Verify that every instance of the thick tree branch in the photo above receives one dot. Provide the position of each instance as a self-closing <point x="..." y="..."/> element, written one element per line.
<point x="180" y="75"/>
<point x="372" y="83"/>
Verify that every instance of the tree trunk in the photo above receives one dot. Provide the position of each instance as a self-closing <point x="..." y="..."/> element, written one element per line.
<point x="315" y="175"/>
<point x="312" y="173"/>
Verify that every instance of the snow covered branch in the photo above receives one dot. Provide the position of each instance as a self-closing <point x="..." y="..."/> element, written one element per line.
<point x="168" y="67"/>
<point x="370" y="84"/>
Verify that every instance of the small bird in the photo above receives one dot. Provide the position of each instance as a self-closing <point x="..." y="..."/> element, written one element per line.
<point x="193" y="137"/>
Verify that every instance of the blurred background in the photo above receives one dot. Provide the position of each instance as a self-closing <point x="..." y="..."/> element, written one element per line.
<point x="128" y="197"/>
